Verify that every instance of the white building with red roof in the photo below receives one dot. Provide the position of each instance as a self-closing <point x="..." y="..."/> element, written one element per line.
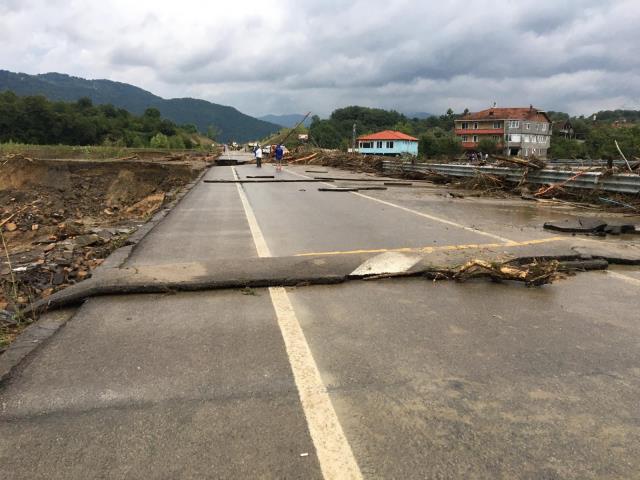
<point x="517" y="131"/>
<point x="389" y="142"/>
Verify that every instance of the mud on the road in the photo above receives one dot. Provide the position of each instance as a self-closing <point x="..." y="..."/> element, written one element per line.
<point x="60" y="218"/>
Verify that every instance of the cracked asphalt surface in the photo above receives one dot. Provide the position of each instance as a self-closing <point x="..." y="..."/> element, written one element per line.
<point x="427" y="380"/>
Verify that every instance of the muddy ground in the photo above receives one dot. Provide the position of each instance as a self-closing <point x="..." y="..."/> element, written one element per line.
<point x="60" y="219"/>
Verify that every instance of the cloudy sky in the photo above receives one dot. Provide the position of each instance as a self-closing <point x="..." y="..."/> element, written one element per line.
<point x="284" y="56"/>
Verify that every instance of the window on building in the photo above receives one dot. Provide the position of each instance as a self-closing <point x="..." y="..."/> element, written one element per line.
<point x="497" y="125"/>
<point x="495" y="138"/>
<point x="389" y="144"/>
<point x="465" y="125"/>
<point x="378" y="144"/>
<point x="527" y="126"/>
<point x="514" y="124"/>
<point x="475" y="138"/>
<point x="544" y="127"/>
<point x="366" y="144"/>
<point x="475" y="125"/>
<point x="465" y="138"/>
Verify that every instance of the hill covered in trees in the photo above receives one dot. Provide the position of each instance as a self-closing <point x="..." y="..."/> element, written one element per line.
<point x="36" y="120"/>
<point x="435" y="132"/>
<point x="225" y="122"/>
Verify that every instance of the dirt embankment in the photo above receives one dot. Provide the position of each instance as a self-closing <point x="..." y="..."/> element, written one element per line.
<point x="60" y="218"/>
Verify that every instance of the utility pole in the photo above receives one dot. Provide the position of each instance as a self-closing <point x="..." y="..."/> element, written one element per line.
<point x="353" y="141"/>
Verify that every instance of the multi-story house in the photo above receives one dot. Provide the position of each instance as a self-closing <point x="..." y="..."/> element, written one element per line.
<point x="517" y="131"/>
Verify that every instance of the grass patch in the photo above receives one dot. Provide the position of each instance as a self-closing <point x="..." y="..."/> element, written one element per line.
<point x="88" y="152"/>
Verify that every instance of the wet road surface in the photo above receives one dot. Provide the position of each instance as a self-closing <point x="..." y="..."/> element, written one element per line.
<point x="400" y="378"/>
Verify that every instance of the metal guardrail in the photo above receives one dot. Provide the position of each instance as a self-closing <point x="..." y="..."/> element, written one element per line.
<point x="577" y="162"/>
<point x="621" y="183"/>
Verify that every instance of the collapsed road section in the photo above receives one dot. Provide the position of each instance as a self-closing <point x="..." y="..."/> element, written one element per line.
<point x="59" y="219"/>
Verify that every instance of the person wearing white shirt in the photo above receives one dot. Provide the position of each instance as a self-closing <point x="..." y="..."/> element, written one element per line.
<point x="258" y="157"/>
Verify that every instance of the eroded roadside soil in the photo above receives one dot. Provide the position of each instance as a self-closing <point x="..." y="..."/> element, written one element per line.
<point x="60" y="219"/>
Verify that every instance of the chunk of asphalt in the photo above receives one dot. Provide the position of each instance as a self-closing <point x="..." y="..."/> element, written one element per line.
<point x="591" y="226"/>
<point x="339" y="189"/>
<point x="342" y="179"/>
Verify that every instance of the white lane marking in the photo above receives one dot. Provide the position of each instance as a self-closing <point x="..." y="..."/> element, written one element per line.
<point x="425" y="215"/>
<point x="625" y="278"/>
<point x="437" y="219"/>
<point x="388" y="262"/>
<point x="256" y="233"/>
<point x="334" y="452"/>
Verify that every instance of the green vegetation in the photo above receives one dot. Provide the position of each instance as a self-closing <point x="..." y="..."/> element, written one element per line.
<point x="436" y="133"/>
<point x="229" y="123"/>
<point x="596" y="138"/>
<point x="437" y="142"/>
<point x="36" y="120"/>
<point x="593" y="138"/>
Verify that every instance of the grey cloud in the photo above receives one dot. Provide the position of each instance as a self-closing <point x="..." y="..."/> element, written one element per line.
<point x="277" y="56"/>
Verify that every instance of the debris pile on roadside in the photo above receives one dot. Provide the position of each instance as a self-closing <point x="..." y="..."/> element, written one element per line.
<point x="60" y="219"/>
<point x="338" y="159"/>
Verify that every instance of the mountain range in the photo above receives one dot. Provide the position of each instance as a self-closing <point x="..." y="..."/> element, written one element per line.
<point x="288" y="121"/>
<point x="230" y="123"/>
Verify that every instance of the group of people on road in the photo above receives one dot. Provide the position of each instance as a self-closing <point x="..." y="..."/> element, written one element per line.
<point x="478" y="157"/>
<point x="279" y="155"/>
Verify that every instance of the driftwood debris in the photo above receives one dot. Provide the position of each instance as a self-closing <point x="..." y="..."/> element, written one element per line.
<point x="531" y="163"/>
<point x="532" y="274"/>
<point x="622" y="155"/>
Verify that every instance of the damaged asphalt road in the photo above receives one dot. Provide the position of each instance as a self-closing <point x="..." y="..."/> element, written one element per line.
<point x="443" y="264"/>
<point x="397" y="377"/>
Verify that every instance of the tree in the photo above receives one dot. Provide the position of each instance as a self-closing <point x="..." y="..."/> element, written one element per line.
<point x="488" y="145"/>
<point x="176" y="141"/>
<point x="152" y="113"/>
<point x="159" y="141"/>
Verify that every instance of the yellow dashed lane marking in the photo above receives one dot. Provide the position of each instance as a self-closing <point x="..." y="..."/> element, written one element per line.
<point x="438" y="249"/>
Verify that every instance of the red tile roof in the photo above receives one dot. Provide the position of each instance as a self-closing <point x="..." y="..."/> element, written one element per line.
<point x="526" y="113"/>
<point x="388" y="135"/>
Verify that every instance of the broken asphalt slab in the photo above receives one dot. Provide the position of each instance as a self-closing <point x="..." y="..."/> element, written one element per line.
<point x="593" y="226"/>
<point x="324" y="269"/>
<point x="300" y="271"/>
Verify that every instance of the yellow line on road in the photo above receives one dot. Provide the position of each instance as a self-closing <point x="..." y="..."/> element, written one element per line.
<point x="334" y="453"/>
<point x="438" y="249"/>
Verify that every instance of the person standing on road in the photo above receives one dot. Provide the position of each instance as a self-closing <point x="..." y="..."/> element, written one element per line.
<point x="258" y="154"/>
<point x="279" y="156"/>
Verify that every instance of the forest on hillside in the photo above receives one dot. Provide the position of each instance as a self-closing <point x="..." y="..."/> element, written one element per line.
<point x="36" y="120"/>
